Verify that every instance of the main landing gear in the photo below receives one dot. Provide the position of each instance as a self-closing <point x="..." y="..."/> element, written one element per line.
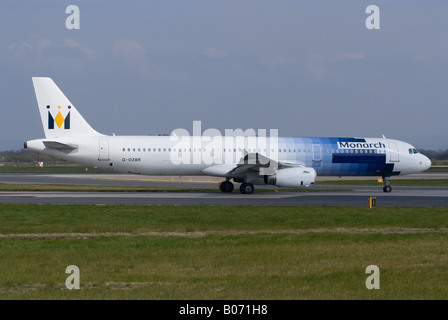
<point x="226" y="186"/>
<point x="387" y="188"/>
<point x="245" y="188"/>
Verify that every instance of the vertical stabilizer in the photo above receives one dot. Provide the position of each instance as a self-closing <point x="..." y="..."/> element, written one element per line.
<point x="59" y="117"/>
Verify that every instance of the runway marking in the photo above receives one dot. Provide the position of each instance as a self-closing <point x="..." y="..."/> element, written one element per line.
<point x="160" y="180"/>
<point x="198" y="234"/>
<point x="144" y="195"/>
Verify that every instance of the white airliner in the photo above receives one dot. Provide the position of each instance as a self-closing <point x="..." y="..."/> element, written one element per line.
<point x="256" y="160"/>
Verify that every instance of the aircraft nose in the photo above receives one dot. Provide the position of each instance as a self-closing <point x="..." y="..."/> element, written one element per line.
<point x="426" y="163"/>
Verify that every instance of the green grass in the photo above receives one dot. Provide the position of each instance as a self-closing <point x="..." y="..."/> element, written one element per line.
<point x="394" y="182"/>
<point x="222" y="252"/>
<point x="140" y="219"/>
<point x="280" y="267"/>
<point x="443" y="168"/>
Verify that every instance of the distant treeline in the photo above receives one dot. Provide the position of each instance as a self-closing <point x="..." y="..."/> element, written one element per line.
<point x="28" y="157"/>
<point x="435" y="155"/>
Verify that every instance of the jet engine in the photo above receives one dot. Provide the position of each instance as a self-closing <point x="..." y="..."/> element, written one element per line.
<point x="296" y="177"/>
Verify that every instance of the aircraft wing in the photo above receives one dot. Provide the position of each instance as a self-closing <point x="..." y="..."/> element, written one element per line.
<point x="251" y="163"/>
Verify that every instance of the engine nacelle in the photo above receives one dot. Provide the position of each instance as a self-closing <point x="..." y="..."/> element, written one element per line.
<point x="292" y="177"/>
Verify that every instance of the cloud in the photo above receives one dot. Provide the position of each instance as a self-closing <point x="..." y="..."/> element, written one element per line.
<point x="132" y="54"/>
<point x="69" y="54"/>
<point x="68" y="50"/>
<point x="22" y="50"/>
<point x="317" y="64"/>
<point x="215" y="53"/>
<point x="351" y="56"/>
<point x="275" y="61"/>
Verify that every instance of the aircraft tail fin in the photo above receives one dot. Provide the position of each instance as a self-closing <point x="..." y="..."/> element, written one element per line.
<point x="59" y="117"/>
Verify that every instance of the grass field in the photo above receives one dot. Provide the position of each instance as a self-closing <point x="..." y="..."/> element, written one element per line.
<point x="221" y="252"/>
<point x="394" y="182"/>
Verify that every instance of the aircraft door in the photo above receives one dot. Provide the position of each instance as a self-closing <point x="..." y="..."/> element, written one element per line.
<point x="317" y="152"/>
<point x="317" y="156"/>
<point x="103" y="150"/>
<point x="394" y="155"/>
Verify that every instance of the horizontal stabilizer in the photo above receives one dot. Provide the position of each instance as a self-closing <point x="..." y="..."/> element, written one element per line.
<point x="59" y="146"/>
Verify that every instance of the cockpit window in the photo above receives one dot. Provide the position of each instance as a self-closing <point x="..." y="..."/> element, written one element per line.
<point x="413" y="151"/>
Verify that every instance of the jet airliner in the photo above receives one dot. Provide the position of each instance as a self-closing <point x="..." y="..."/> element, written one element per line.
<point x="292" y="162"/>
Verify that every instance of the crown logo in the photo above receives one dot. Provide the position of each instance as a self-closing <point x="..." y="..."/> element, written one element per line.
<point x="59" y="119"/>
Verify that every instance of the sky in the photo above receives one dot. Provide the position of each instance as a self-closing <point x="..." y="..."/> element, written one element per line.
<point x="305" y="68"/>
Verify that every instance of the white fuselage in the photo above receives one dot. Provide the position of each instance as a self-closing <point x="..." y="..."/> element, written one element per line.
<point x="168" y="155"/>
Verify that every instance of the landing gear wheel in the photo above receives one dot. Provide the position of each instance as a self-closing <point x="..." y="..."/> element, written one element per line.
<point x="247" y="188"/>
<point x="226" y="186"/>
<point x="387" y="188"/>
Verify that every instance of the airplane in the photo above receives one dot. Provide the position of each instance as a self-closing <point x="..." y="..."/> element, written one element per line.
<point x="292" y="162"/>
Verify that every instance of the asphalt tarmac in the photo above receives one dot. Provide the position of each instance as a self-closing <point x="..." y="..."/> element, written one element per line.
<point x="324" y="195"/>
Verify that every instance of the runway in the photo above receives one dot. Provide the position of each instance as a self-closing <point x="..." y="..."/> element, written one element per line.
<point x="323" y="195"/>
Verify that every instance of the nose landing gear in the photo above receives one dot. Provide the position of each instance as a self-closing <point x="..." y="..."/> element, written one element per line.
<point x="387" y="188"/>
